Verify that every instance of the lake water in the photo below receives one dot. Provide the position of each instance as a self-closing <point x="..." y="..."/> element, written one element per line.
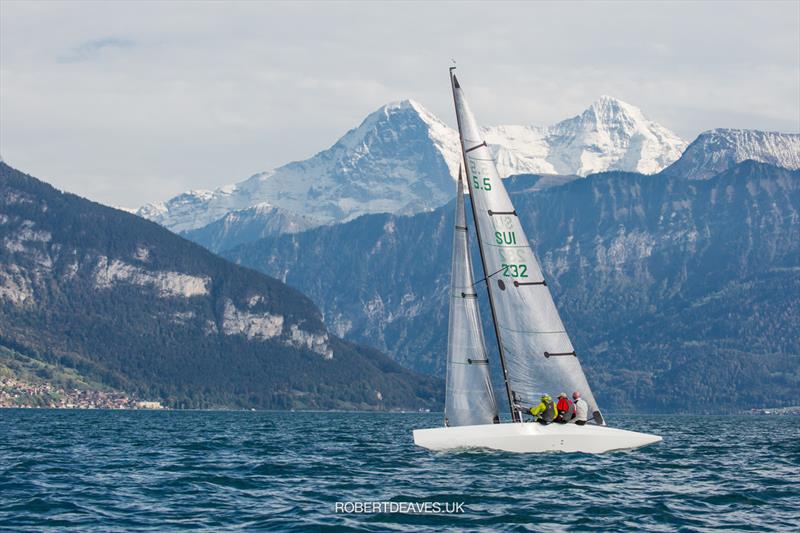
<point x="118" y="470"/>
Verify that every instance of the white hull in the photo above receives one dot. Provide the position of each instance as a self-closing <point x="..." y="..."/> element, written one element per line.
<point x="533" y="438"/>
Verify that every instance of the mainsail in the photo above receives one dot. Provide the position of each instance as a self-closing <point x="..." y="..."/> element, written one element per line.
<point x="538" y="355"/>
<point x="470" y="399"/>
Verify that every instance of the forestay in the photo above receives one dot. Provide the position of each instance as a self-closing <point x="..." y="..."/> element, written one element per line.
<point x="539" y="356"/>
<point x="470" y="399"/>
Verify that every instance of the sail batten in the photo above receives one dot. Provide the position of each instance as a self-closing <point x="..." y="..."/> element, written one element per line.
<point x="537" y="353"/>
<point x="470" y="399"/>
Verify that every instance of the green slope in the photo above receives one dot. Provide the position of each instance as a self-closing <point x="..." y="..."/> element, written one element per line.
<point x="127" y="304"/>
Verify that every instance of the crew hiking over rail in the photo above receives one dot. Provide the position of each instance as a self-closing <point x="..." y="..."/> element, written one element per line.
<point x="566" y="411"/>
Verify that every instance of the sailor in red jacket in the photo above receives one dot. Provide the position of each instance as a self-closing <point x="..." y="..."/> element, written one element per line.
<point x="566" y="409"/>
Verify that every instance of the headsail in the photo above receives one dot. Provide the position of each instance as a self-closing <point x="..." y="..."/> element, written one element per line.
<point x="538" y="354"/>
<point x="470" y="399"/>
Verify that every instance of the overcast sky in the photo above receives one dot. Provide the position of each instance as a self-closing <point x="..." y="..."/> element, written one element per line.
<point x="126" y="103"/>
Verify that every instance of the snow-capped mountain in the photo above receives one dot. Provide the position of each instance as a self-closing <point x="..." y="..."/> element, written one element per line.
<point x="401" y="160"/>
<point x="717" y="150"/>
<point x="609" y="135"/>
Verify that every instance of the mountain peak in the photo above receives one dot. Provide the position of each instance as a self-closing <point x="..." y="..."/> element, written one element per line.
<point x="402" y="110"/>
<point x="401" y="158"/>
<point x="610" y="112"/>
<point x="613" y="105"/>
<point x="406" y="108"/>
<point x="606" y="99"/>
<point x="405" y="104"/>
<point x="716" y="150"/>
<point x="611" y="135"/>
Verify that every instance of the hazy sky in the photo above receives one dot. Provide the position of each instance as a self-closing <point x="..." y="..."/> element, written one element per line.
<point x="126" y="103"/>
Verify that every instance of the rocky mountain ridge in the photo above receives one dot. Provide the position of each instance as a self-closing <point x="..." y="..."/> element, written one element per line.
<point x="672" y="289"/>
<point x="715" y="151"/>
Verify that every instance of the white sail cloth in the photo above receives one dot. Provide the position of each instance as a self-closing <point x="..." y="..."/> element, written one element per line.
<point x="470" y="399"/>
<point x="538" y="353"/>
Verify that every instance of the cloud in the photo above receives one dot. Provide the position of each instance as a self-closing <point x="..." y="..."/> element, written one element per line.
<point x="92" y="49"/>
<point x="171" y="96"/>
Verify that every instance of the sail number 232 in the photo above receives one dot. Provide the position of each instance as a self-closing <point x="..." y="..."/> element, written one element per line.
<point x="515" y="271"/>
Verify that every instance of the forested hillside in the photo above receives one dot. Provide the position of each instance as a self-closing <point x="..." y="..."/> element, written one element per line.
<point x="118" y="300"/>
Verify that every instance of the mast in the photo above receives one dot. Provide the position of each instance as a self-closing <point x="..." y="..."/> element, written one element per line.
<point x="515" y="417"/>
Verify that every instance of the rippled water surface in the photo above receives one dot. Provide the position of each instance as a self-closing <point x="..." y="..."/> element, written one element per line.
<point x="117" y="470"/>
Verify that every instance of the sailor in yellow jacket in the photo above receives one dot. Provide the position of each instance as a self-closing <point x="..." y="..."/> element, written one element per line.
<point x="545" y="412"/>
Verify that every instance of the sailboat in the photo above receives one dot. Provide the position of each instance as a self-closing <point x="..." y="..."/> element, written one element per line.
<point x="535" y="351"/>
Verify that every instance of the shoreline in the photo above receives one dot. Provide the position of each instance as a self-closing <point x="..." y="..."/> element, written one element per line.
<point x="771" y="412"/>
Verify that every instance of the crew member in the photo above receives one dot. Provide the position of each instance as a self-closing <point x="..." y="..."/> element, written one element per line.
<point x="566" y="409"/>
<point x="545" y="412"/>
<point x="581" y="409"/>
